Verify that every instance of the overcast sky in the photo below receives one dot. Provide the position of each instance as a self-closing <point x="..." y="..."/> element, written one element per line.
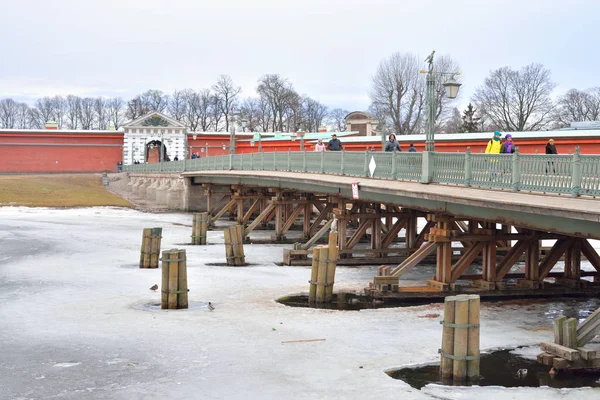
<point x="328" y="49"/>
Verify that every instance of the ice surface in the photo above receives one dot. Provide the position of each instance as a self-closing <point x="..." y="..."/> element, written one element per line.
<point x="71" y="325"/>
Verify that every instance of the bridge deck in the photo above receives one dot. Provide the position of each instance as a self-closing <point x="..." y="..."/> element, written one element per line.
<point x="552" y="213"/>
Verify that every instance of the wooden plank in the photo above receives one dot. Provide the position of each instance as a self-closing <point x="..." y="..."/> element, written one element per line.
<point x="545" y="358"/>
<point x="333" y="253"/>
<point x="473" y="337"/>
<point x="312" y="296"/>
<point x="589" y="320"/>
<point x="590" y="253"/>
<point x="317" y="235"/>
<point x="386" y="280"/>
<point x="587" y="354"/>
<point x="560" y="363"/>
<point x="558" y="330"/>
<point x="322" y="273"/>
<point x="588" y="332"/>
<point x="295" y="213"/>
<point x="570" y="333"/>
<point x="173" y="278"/>
<point x="553" y="256"/>
<point x="467" y="259"/>
<point x="461" y="317"/>
<point x="415" y="258"/>
<point x="393" y="232"/>
<point x="164" y="287"/>
<point x="510" y="259"/>
<point x="258" y="219"/>
<point x="359" y="233"/>
<point x="446" y="364"/>
<point x="560" y="351"/>
<point x="182" y="285"/>
<point x="229" y="205"/>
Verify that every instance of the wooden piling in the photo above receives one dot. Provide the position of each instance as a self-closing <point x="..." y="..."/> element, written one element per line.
<point x="234" y="247"/>
<point x="331" y="265"/>
<point x="473" y="338"/>
<point x="312" y="294"/>
<point x="173" y="266"/>
<point x="145" y="251"/>
<point x="446" y="363"/>
<point x="322" y="273"/>
<point x="150" y="251"/>
<point x="174" y="288"/>
<point x="155" y="247"/>
<point x="164" y="286"/>
<point x="182" y="286"/>
<point x="199" y="228"/>
<point x="461" y="338"/>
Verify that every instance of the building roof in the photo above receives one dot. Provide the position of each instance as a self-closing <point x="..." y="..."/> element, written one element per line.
<point x="138" y="122"/>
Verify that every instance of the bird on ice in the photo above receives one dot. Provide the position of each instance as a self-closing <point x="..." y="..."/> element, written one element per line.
<point x="522" y="373"/>
<point x="154" y="287"/>
<point x="210" y="306"/>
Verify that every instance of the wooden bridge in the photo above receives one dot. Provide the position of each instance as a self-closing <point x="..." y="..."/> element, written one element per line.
<point x="491" y="209"/>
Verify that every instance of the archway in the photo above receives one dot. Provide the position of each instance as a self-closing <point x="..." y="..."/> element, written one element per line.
<point x="153" y="152"/>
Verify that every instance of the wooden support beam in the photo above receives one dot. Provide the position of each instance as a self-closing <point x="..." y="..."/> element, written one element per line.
<point x="553" y="256"/>
<point x="589" y="328"/>
<point x="250" y="211"/>
<point x="322" y="216"/>
<point x="560" y="351"/>
<point x="226" y="208"/>
<point x="317" y="236"/>
<point x="510" y="259"/>
<point x="467" y="259"/>
<point x="358" y="234"/>
<point x="295" y="213"/>
<point x="259" y="219"/>
<point x="415" y="258"/>
<point x="376" y="227"/>
<point x="590" y="253"/>
<point x="532" y="260"/>
<point x="421" y="238"/>
<point x="393" y="232"/>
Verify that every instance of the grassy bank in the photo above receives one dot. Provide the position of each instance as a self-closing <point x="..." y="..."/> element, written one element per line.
<point x="64" y="190"/>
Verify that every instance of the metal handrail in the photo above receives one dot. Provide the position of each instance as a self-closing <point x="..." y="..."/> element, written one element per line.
<point x="575" y="174"/>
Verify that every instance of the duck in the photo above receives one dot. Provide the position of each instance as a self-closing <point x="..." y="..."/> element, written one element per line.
<point x="210" y="306"/>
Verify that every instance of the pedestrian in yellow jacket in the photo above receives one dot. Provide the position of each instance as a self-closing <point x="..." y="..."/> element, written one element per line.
<point x="494" y="146"/>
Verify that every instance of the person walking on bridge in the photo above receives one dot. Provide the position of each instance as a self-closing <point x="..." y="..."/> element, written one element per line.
<point x="320" y="146"/>
<point x="551" y="149"/>
<point x="494" y="146"/>
<point x="392" y="144"/>
<point x="334" y="144"/>
<point x="508" y="147"/>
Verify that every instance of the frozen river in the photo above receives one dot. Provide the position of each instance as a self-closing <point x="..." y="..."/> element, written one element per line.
<point x="74" y="322"/>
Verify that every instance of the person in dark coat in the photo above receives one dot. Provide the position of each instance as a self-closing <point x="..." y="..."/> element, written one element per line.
<point x="392" y="144"/>
<point x="550" y="147"/>
<point x="411" y="148"/>
<point x="508" y="146"/>
<point x="334" y="144"/>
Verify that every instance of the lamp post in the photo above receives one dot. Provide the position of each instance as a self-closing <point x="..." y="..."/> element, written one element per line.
<point x="257" y="137"/>
<point x="301" y="134"/>
<point x="244" y="121"/>
<point x="451" y="86"/>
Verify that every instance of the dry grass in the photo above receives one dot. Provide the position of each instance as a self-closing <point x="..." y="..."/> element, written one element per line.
<point x="65" y="190"/>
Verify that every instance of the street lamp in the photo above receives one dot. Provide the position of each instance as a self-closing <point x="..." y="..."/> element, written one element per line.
<point x="257" y="137"/>
<point x="451" y="86"/>
<point x="244" y="122"/>
<point x="301" y="134"/>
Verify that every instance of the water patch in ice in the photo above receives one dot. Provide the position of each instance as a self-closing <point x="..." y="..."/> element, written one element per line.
<point x="66" y="364"/>
<point x="154" y="306"/>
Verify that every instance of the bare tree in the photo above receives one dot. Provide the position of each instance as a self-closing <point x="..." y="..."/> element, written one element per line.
<point x="398" y="92"/>
<point x="101" y="113"/>
<point x="115" y="111"/>
<point x="73" y="111"/>
<point x="517" y="100"/>
<point x="337" y="118"/>
<point x="59" y="106"/>
<point x="177" y="106"/>
<point x="576" y="106"/>
<point x="155" y="100"/>
<point x="454" y="123"/>
<point x="216" y="112"/>
<point x="137" y="107"/>
<point x="250" y="109"/>
<point x="314" y="114"/>
<point x="86" y="113"/>
<point x="24" y="116"/>
<point x="276" y="91"/>
<point x="263" y="114"/>
<point x="227" y="93"/>
<point x="44" y="110"/>
<point x="8" y="113"/>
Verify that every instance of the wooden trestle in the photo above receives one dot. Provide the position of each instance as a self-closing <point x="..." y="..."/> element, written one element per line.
<point x="373" y="233"/>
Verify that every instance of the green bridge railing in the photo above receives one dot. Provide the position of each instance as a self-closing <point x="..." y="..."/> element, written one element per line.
<point x="574" y="174"/>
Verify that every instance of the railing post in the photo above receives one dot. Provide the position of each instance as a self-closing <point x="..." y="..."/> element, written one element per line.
<point x="262" y="161"/>
<point x="275" y="160"/>
<point x="230" y="161"/>
<point x="576" y="178"/>
<point x="394" y="165"/>
<point x="468" y="167"/>
<point x="427" y="167"/>
<point x="304" y="161"/>
<point x="322" y="162"/>
<point x="366" y="167"/>
<point x="516" y="171"/>
<point x="242" y="162"/>
<point x="289" y="161"/>
<point x="342" y="162"/>
<point x="251" y="161"/>
<point x="184" y="163"/>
